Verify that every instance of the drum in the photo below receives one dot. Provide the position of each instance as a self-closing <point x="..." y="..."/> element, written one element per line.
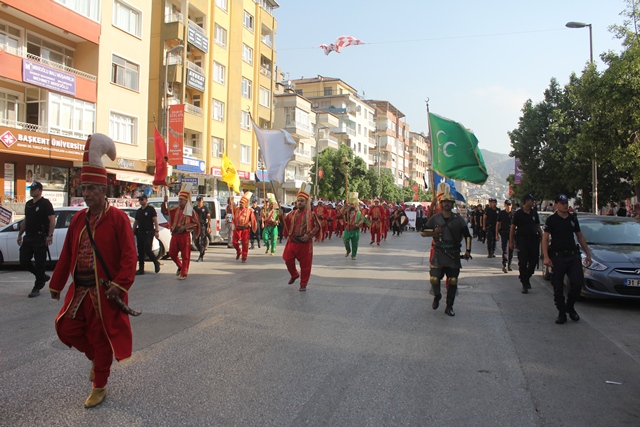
<point x="404" y="220"/>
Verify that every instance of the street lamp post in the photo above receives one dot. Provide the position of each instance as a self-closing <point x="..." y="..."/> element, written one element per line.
<point x="594" y="163"/>
<point x="174" y="49"/>
<point x="318" y="129"/>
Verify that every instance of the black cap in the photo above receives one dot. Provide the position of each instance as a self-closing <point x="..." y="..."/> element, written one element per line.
<point x="198" y="198"/>
<point x="528" y="197"/>
<point x="35" y="185"/>
<point x="142" y="196"/>
<point x="507" y="202"/>
<point x="561" y="198"/>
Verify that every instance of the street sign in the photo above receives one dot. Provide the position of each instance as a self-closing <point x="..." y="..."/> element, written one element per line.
<point x="320" y="173"/>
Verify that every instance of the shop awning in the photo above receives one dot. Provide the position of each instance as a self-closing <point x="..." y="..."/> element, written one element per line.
<point x="132" y="176"/>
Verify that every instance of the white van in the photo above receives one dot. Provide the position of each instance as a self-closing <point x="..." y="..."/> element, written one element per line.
<point x="217" y="222"/>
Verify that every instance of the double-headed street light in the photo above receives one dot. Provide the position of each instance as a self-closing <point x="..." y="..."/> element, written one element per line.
<point x="594" y="163"/>
<point x="318" y="129"/>
<point x="174" y="49"/>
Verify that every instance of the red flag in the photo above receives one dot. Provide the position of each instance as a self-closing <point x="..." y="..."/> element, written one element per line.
<point x="160" y="177"/>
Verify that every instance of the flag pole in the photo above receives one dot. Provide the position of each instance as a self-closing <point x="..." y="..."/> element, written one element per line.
<point x="432" y="172"/>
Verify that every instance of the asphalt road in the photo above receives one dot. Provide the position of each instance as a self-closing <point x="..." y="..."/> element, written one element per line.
<point x="234" y="345"/>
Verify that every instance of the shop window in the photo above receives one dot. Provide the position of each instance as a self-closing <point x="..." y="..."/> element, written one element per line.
<point x="54" y="181"/>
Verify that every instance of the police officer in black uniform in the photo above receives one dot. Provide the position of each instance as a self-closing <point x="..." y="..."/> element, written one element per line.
<point x="525" y="229"/>
<point x="257" y="211"/>
<point x="489" y="226"/>
<point x="564" y="256"/>
<point x="145" y="228"/>
<point x="502" y="233"/>
<point x="38" y="226"/>
<point x="204" y="215"/>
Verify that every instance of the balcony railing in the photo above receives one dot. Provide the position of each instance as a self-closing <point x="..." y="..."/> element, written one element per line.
<point x="192" y="151"/>
<point x="198" y="28"/>
<point x="267" y="40"/>
<point x="190" y="108"/>
<point x="194" y="67"/>
<point x="174" y="60"/>
<point x="291" y="177"/>
<point x="303" y="153"/>
<point x="21" y="52"/>
<point x="173" y="17"/>
<point x="22" y="125"/>
<point x="265" y="72"/>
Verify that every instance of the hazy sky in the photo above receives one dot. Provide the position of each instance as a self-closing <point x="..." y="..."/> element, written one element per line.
<point x="477" y="61"/>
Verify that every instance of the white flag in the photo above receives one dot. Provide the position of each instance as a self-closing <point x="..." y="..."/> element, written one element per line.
<point x="277" y="147"/>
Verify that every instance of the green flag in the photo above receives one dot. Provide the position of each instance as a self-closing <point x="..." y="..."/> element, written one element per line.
<point x="455" y="151"/>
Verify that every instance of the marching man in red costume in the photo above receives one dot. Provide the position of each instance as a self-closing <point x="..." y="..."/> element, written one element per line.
<point x="377" y="217"/>
<point x="244" y="221"/>
<point x="321" y="212"/>
<point x="182" y="221"/>
<point x="300" y="226"/>
<point x="90" y="320"/>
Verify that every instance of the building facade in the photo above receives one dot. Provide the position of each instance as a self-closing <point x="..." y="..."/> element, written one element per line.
<point x="418" y="155"/>
<point x="392" y="141"/>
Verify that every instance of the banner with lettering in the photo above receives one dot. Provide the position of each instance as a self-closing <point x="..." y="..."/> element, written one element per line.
<point x="176" y="134"/>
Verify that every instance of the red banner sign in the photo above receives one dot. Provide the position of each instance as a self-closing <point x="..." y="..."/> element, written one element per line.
<point x="176" y="134"/>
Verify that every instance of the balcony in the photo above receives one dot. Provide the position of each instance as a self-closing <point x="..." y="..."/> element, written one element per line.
<point x="265" y="72"/>
<point x="302" y="157"/>
<point x="194" y="67"/>
<point x="192" y="151"/>
<point x="266" y="39"/>
<point x="298" y="129"/>
<point x="192" y="109"/>
<point x="22" y="125"/>
<point x="293" y="182"/>
<point x="173" y="28"/>
<point x="328" y="142"/>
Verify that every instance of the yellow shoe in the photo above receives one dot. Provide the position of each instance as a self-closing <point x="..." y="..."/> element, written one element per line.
<point x="96" y="397"/>
<point x="92" y="372"/>
<point x="182" y="277"/>
<point x="347" y="254"/>
<point x="267" y="251"/>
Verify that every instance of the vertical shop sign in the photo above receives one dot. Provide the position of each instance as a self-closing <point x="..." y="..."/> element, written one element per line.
<point x="9" y="180"/>
<point x="176" y="134"/>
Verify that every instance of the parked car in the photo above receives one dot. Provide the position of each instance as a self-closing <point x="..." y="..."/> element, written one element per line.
<point x="614" y="243"/>
<point x="214" y="207"/>
<point x="163" y="224"/>
<point x="10" y="251"/>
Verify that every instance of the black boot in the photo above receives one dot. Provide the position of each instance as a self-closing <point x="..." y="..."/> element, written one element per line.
<point x="451" y="296"/>
<point x="562" y="317"/>
<point x="436" y="302"/>
<point x="140" y="272"/>
<point x="573" y="314"/>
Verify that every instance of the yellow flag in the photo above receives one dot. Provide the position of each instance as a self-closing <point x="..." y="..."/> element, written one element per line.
<point x="230" y="174"/>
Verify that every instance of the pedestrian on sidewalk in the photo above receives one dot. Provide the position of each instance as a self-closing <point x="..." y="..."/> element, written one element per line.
<point x="145" y="228"/>
<point x="38" y="225"/>
<point x="90" y="320"/>
<point x="563" y="255"/>
<point x="301" y="225"/>
<point x="447" y="230"/>
<point x="204" y="216"/>
<point x="524" y="233"/>
<point x="503" y="228"/>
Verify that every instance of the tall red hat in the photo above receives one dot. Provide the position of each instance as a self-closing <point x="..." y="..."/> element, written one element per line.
<point x="93" y="171"/>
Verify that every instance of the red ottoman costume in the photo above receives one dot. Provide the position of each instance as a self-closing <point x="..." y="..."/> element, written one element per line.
<point x="182" y="222"/>
<point x="377" y="217"/>
<point x="244" y="221"/>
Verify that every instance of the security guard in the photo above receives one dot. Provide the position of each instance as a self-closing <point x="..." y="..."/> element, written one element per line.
<point x="564" y="256"/>
<point x="489" y="226"/>
<point x="38" y="226"/>
<point x="447" y="230"/>
<point x="502" y="233"/>
<point x="525" y="227"/>
<point x="145" y="228"/>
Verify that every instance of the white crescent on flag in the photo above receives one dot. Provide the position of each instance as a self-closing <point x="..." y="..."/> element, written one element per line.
<point x="341" y="42"/>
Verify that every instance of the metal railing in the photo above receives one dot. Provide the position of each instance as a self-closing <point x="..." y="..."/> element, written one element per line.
<point x="173" y="17"/>
<point x="267" y="40"/>
<point x="190" y="108"/>
<point x="174" y="59"/>
<point x="265" y="72"/>
<point x="194" y="67"/>
<point x="303" y="153"/>
<point x="22" y="125"/>
<point x="198" y="28"/>
<point x="195" y="150"/>
<point x="21" y="52"/>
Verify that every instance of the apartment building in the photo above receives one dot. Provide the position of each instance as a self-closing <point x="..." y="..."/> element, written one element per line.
<point x="310" y="129"/>
<point x="69" y="69"/>
<point x="393" y="141"/>
<point x="356" y="126"/>
<point x="221" y="76"/>
<point x="418" y="158"/>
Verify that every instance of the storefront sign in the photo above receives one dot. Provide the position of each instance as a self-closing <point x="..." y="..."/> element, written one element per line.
<point x="57" y="198"/>
<point x="192" y="165"/>
<point x="48" y="77"/>
<point x="195" y="80"/>
<point x="244" y="175"/>
<point x="6" y="216"/>
<point x="196" y="38"/>
<point x="17" y="141"/>
<point x="128" y="164"/>
<point x="9" y="180"/>
<point x="217" y="172"/>
<point x="193" y="182"/>
<point x="176" y="134"/>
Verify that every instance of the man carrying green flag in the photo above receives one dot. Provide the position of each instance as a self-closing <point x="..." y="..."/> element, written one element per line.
<point x="455" y="151"/>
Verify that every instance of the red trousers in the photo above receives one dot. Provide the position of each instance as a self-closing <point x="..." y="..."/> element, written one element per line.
<point x="181" y="243"/>
<point x="241" y="236"/>
<point x="303" y="252"/>
<point x="85" y="332"/>
<point x="376" y="231"/>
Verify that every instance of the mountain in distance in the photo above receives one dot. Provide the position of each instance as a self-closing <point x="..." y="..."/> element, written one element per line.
<point x="499" y="167"/>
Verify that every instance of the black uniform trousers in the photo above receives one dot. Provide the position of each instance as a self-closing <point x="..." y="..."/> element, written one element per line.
<point x="144" y="241"/>
<point x="34" y="246"/>
<point x="528" y="257"/>
<point x="491" y="239"/>
<point x="507" y="254"/>
<point x="571" y="266"/>
<point x="202" y="240"/>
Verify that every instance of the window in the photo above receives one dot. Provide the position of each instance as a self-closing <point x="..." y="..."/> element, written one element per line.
<point x="126" y="18"/>
<point x="71" y="117"/>
<point x="50" y="52"/>
<point x="248" y="20"/>
<point x="265" y="97"/>
<point x="217" y="146"/>
<point x="247" y="54"/>
<point x="245" y="154"/>
<point x="328" y="91"/>
<point x="9" y="105"/>
<point x="88" y="8"/>
<point x="9" y="36"/>
<point x="124" y="73"/>
<point x="222" y="4"/>
<point x="359" y="129"/>
<point x="245" y="121"/>
<point x="218" y="73"/>
<point x="218" y="110"/>
<point x="122" y="128"/>
<point x="246" y="88"/>
<point x="220" y="36"/>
